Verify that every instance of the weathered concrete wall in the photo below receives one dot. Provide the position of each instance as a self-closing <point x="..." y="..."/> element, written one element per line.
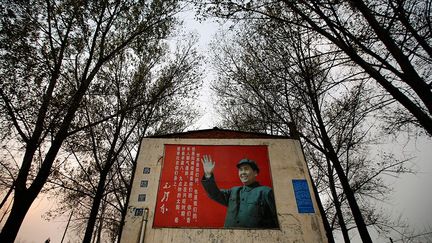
<point x="286" y="163"/>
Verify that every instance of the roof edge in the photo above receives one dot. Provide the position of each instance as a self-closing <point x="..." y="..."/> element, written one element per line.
<point x="217" y="133"/>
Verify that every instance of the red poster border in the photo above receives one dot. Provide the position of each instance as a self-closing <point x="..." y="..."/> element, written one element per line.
<point x="226" y="158"/>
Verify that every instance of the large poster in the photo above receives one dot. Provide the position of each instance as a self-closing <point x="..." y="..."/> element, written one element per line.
<point x="236" y="191"/>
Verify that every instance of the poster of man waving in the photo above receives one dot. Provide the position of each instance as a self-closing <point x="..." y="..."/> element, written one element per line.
<point x="212" y="186"/>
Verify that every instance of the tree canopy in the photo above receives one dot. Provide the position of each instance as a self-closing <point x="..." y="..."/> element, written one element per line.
<point x="55" y="58"/>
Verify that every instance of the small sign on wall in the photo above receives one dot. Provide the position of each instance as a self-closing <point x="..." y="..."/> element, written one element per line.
<point x="144" y="183"/>
<point x="139" y="211"/>
<point x="141" y="197"/>
<point x="302" y="195"/>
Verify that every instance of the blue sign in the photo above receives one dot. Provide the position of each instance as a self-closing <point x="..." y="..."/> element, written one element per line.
<point x="302" y="195"/>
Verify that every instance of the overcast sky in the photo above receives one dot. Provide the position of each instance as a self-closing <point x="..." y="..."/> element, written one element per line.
<point x="412" y="197"/>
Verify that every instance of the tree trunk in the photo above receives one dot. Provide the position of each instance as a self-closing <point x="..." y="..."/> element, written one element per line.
<point x="355" y="209"/>
<point x="110" y="158"/>
<point x="20" y="206"/>
<point x="101" y="219"/>
<point x="328" y="229"/>
<point x="332" y="155"/>
<point x="336" y="203"/>
<point x="24" y="197"/>
<point x="95" y="208"/>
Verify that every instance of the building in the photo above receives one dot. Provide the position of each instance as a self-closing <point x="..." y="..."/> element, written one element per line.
<point x="169" y="204"/>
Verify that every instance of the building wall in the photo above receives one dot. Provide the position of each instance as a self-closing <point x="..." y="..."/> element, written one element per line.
<point x="286" y="163"/>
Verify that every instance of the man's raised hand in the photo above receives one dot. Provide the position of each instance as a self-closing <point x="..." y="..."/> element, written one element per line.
<point x="208" y="165"/>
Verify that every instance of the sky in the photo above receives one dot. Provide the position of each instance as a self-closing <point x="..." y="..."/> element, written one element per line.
<point x="206" y="31"/>
<point x="411" y="197"/>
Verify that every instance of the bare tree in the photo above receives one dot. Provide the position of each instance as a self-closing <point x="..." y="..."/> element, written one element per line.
<point x="51" y="53"/>
<point x="388" y="40"/>
<point x="274" y="78"/>
<point x="163" y="93"/>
